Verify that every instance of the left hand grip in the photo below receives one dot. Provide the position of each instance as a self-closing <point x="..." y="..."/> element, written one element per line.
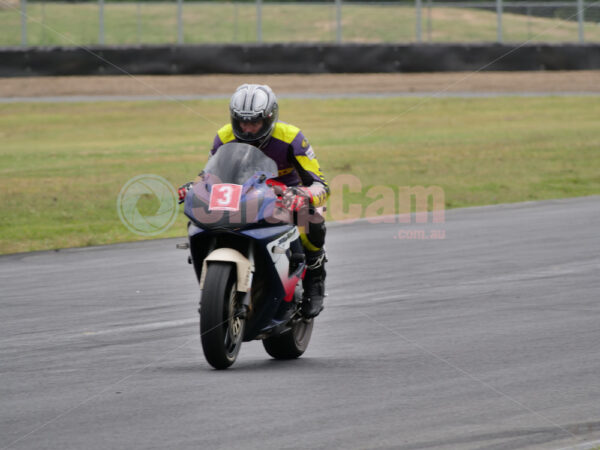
<point x="183" y="190"/>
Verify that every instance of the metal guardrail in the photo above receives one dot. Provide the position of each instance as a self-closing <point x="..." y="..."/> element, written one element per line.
<point x="422" y="15"/>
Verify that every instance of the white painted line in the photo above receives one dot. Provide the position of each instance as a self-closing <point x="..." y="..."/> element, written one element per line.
<point x="308" y="95"/>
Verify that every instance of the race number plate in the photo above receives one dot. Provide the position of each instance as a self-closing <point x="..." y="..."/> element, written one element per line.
<point x="225" y="197"/>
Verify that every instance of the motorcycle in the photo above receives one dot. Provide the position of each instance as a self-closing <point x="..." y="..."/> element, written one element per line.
<point x="247" y="256"/>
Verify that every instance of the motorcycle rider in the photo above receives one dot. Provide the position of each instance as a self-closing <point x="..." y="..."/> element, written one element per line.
<point x="254" y="120"/>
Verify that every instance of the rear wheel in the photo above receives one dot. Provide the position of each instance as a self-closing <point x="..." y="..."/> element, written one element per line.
<point x="221" y="330"/>
<point x="290" y="344"/>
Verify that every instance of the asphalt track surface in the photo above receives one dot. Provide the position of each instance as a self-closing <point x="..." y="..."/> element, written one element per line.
<point x="487" y="339"/>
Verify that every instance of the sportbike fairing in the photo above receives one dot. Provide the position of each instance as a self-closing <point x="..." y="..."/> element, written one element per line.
<point x="233" y="206"/>
<point x="233" y="191"/>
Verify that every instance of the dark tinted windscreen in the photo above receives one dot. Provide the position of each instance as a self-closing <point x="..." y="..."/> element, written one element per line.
<point x="236" y="162"/>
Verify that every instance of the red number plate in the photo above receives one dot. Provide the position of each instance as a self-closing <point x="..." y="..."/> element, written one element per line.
<point x="225" y="197"/>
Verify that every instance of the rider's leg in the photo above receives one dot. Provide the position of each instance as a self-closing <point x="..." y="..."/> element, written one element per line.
<point x="314" y="280"/>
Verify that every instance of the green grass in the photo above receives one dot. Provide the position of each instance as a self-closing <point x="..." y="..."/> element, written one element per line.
<point x="63" y="165"/>
<point x="77" y="24"/>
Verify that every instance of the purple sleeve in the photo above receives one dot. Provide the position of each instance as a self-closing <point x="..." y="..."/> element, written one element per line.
<point x="216" y="144"/>
<point x="300" y="144"/>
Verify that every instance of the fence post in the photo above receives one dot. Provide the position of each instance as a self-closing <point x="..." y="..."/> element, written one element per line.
<point x="43" y="38"/>
<point x="338" y="19"/>
<point x="528" y="22"/>
<point x="235" y="22"/>
<point x="580" y="19"/>
<point x="24" y="23"/>
<point x="138" y="10"/>
<point x="499" y="17"/>
<point x="180" y="21"/>
<point x="100" y="21"/>
<point x="259" y="21"/>
<point x="418" y="8"/>
<point x="428" y="20"/>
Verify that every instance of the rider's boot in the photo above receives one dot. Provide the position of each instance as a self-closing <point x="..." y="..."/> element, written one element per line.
<point x="314" y="284"/>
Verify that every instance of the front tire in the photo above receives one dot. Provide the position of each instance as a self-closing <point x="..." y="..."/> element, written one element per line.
<point x="291" y="344"/>
<point x="221" y="330"/>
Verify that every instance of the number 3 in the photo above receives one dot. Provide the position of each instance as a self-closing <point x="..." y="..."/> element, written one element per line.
<point x="225" y="197"/>
<point x="225" y="192"/>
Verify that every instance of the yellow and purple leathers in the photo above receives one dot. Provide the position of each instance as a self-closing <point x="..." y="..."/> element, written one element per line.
<point x="293" y="154"/>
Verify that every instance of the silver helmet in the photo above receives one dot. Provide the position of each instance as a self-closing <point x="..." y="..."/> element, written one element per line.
<point x="250" y="103"/>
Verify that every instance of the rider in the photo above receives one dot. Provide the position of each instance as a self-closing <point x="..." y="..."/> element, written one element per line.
<point x="254" y="111"/>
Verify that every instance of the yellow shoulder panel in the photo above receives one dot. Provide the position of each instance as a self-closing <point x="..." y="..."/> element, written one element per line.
<point x="226" y="134"/>
<point x="285" y="132"/>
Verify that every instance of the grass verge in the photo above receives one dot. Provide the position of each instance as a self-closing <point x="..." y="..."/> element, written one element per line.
<point x="62" y="165"/>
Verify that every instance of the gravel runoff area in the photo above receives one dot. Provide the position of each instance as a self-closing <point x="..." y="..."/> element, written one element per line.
<point x="484" y="82"/>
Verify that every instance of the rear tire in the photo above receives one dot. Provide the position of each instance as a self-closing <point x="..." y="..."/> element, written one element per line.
<point x="221" y="332"/>
<point x="291" y="344"/>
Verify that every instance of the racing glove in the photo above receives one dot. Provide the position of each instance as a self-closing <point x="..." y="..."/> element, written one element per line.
<point x="296" y="198"/>
<point x="183" y="190"/>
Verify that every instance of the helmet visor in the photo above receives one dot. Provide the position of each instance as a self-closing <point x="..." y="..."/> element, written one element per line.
<point x="250" y="130"/>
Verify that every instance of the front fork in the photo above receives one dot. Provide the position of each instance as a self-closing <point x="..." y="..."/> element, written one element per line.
<point x="245" y="304"/>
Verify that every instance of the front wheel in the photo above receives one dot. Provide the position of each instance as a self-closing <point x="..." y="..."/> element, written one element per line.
<point x="221" y="329"/>
<point x="291" y="344"/>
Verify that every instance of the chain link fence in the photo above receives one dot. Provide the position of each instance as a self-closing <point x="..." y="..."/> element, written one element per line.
<point x="46" y="23"/>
